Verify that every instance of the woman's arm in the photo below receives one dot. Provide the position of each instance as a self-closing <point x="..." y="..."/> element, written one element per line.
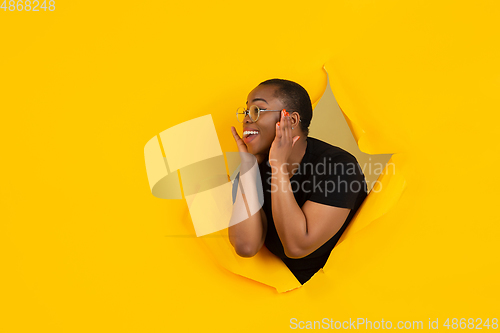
<point x="247" y="236"/>
<point x="302" y="231"/>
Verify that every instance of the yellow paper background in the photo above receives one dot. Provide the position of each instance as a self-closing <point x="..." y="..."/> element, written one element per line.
<point x="84" y="244"/>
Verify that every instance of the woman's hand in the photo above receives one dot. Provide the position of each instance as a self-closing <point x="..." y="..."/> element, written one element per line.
<point x="243" y="149"/>
<point x="283" y="143"/>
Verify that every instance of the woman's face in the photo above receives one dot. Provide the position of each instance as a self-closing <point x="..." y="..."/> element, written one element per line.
<point x="263" y="97"/>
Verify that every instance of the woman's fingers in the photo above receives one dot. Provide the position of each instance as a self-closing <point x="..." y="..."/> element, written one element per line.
<point x="283" y="121"/>
<point x="242" y="147"/>
<point x="235" y="135"/>
<point x="279" y="130"/>
<point x="286" y="128"/>
<point x="289" y="128"/>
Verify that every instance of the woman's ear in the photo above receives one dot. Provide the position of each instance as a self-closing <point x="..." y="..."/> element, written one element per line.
<point x="295" y="119"/>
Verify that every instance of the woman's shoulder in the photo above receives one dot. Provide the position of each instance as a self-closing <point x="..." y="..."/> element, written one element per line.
<point x="325" y="156"/>
<point x="320" y="149"/>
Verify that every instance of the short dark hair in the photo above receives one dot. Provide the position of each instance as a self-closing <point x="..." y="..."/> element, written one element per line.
<point x="295" y="98"/>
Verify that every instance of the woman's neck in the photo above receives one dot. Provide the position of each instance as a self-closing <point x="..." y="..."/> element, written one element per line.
<point x="298" y="152"/>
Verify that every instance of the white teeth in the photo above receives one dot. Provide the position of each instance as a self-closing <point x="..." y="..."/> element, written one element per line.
<point x="246" y="133"/>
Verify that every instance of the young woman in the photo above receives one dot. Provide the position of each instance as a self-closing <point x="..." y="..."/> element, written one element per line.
<point x="311" y="188"/>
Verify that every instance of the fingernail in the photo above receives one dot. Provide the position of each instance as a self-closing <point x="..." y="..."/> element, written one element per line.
<point x="278" y="124"/>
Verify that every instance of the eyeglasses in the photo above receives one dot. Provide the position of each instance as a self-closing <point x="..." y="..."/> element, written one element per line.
<point x="254" y="113"/>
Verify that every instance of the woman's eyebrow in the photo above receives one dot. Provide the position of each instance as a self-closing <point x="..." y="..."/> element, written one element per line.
<point x="258" y="99"/>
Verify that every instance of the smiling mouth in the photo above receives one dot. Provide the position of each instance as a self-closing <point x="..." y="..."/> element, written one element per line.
<point x="249" y="135"/>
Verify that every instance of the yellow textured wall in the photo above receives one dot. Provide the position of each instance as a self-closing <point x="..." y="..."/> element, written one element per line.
<point x="86" y="247"/>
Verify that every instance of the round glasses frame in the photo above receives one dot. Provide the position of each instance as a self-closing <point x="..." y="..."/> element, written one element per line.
<point x="253" y="112"/>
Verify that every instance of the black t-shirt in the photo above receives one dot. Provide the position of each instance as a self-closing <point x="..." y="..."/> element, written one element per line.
<point x="327" y="175"/>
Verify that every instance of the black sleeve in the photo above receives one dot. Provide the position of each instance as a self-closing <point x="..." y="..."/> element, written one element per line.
<point x="341" y="182"/>
<point x="235" y="186"/>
